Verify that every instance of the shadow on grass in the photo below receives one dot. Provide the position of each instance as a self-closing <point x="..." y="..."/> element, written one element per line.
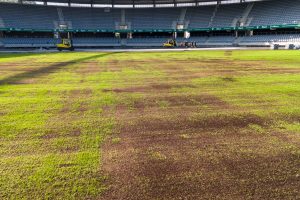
<point x="47" y="70"/>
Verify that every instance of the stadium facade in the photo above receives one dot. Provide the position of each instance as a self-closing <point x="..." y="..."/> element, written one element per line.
<point x="96" y="23"/>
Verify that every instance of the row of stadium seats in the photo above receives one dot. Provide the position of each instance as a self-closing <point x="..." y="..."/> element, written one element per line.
<point x="28" y="42"/>
<point x="201" y="40"/>
<point x="150" y="19"/>
<point x="226" y="14"/>
<point x="221" y="39"/>
<point x="272" y="38"/>
<point x="274" y="12"/>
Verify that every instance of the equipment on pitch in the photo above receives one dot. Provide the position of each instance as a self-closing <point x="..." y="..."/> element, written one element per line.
<point x="170" y="43"/>
<point x="65" y="43"/>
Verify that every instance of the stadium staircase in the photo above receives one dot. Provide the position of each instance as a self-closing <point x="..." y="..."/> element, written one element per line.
<point x="60" y="15"/>
<point x="181" y="19"/>
<point x="213" y="15"/>
<point x="245" y="20"/>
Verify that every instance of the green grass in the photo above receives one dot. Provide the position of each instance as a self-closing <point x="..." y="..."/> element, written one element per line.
<point x="53" y="117"/>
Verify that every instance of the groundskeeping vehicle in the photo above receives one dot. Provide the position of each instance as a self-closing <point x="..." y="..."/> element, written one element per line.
<point x="170" y="43"/>
<point x="65" y="44"/>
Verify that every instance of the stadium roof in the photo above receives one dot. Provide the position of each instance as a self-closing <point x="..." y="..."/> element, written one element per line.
<point x="133" y="2"/>
<point x="127" y="3"/>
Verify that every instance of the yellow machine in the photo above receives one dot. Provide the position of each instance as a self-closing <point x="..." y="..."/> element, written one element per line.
<point x="66" y="44"/>
<point x="170" y="43"/>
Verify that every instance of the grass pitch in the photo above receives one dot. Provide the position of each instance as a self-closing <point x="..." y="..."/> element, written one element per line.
<point x="163" y="125"/>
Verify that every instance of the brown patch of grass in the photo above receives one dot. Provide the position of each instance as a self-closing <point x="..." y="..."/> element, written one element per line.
<point x="75" y="133"/>
<point x="155" y="161"/>
<point x="51" y="134"/>
<point x="77" y="95"/>
<point x="221" y="67"/>
<point x="187" y="146"/>
<point x="177" y="100"/>
<point x="228" y="53"/>
<point x="69" y="149"/>
<point x="229" y="79"/>
<point x="147" y="88"/>
<point x="68" y="113"/>
<point x="208" y="122"/>
<point x="67" y="165"/>
<point x="87" y="68"/>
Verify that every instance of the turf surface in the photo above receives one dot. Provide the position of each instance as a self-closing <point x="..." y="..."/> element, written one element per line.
<point x="169" y="125"/>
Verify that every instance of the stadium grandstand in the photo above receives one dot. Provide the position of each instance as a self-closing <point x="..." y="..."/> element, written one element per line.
<point x="149" y="23"/>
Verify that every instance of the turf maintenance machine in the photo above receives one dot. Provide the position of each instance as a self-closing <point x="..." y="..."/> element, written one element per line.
<point x="65" y="42"/>
<point x="170" y="43"/>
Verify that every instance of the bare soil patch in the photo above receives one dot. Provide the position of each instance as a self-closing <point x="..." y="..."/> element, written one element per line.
<point x="167" y="150"/>
<point x="68" y="114"/>
<point x="178" y="101"/>
<point x="153" y="162"/>
<point x="209" y="122"/>
<point x="146" y="88"/>
<point x="52" y="133"/>
<point x="87" y="68"/>
<point x="74" y="96"/>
